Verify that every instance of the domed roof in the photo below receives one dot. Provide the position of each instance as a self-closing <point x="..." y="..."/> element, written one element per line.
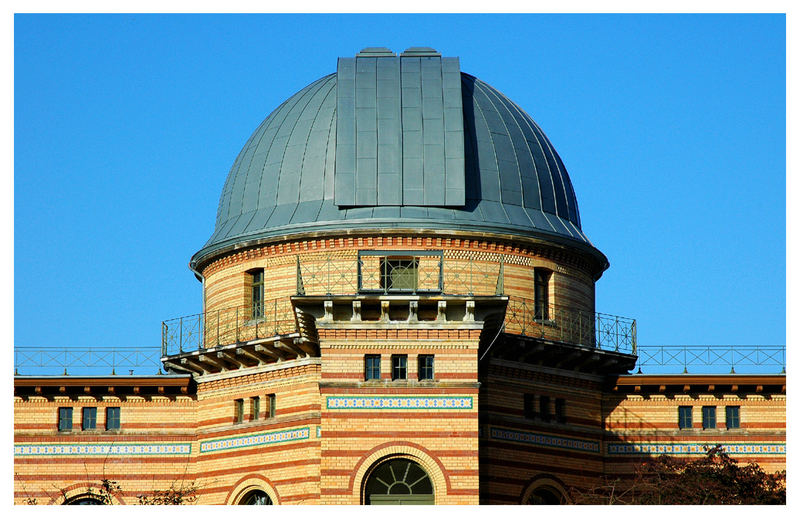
<point x="282" y="181"/>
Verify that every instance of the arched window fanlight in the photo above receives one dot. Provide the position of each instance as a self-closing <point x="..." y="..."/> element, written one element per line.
<point x="256" y="497"/>
<point x="398" y="481"/>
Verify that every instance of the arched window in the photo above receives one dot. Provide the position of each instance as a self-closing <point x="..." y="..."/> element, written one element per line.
<point x="545" y="491"/>
<point x="398" y="481"/>
<point x="545" y="495"/>
<point x="84" y="500"/>
<point x="256" y="497"/>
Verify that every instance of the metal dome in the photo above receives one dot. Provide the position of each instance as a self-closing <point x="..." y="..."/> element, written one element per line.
<point x="282" y="182"/>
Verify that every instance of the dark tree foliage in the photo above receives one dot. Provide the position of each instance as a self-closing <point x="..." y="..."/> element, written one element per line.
<point x="714" y="479"/>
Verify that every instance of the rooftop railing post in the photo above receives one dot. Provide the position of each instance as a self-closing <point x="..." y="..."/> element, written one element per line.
<point x="180" y="337"/>
<point x="218" y="328"/>
<point x="163" y="339"/>
<point x="237" y="324"/>
<point x="328" y="281"/>
<point x="358" y="273"/>
<point x="500" y="288"/>
<point x="300" y="288"/>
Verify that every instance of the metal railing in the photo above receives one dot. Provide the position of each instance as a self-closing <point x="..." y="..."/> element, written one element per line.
<point x="391" y="272"/>
<point x="227" y="326"/>
<point x="711" y="359"/>
<point x="564" y="324"/>
<point x="86" y="361"/>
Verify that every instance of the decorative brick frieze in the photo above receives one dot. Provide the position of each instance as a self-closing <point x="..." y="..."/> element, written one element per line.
<point x="104" y="449"/>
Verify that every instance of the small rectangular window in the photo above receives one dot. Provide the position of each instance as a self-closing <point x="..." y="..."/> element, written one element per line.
<point x="399" y="274"/>
<point x="112" y="418"/>
<point x="425" y="371"/>
<point x="64" y="418"/>
<point x="89" y="418"/>
<point x="561" y="410"/>
<point x="255" y="408"/>
<point x="238" y="410"/>
<point x="732" y="417"/>
<point x="529" y="405"/>
<point x="372" y="367"/>
<point x="541" y="293"/>
<point x="257" y="293"/>
<point x="544" y="408"/>
<point x="271" y="405"/>
<point x="399" y="367"/>
<point x="685" y="417"/>
<point x="709" y="417"/>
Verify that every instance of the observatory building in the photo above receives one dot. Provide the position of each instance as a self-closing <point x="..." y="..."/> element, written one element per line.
<point x="398" y="308"/>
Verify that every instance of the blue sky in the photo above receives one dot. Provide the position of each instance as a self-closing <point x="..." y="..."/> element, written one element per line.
<point x="672" y="128"/>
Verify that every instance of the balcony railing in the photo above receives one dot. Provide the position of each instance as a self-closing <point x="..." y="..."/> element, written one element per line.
<point x="559" y="323"/>
<point x="711" y="359"/>
<point x="398" y="272"/>
<point x="227" y="326"/>
<point x="86" y="361"/>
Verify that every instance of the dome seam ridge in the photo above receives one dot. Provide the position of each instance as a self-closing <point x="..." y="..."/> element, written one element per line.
<point x="492" y="92"/>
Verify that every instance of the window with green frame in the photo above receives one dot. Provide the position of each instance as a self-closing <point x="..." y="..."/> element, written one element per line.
<point x="425" y="367"/>
<point x="372" y="367"/>
<point x="685" y="417"/>
<point x="64" y="418"/>
<point x="257" y="293"/>
<point x="732" y="417"/>
<point x="112" y="418"/>
<point x="709" y="417"/>
<point x="89" y="418"/>
<point x="399" y="367"/>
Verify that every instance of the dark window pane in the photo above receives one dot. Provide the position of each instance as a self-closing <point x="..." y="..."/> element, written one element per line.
<point x="273" y="402"/>
<point x="256" y="408"/>
<point x="685" y="417"/>
<point x="561" y="410"/>
<point x="541" y="293"/>
<point x="544" y="407"/>
<point x="112" y="418"/>
<point x="732" y="417"/>
<point x="239" y="410"/>
<point x="425" y="371"/>
<point x="709" y="417"/>
<point x="257" y="293"/>
<point x="256" y="497"/>
<point x="399" y="367"/>
<point x="89" y="418"/>
<point x="64" y="418"/>
<point x="529" y="405"/>
<point x="372" y="367"/>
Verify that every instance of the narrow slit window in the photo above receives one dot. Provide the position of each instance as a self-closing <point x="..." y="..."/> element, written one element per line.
<point x="541" y="293"/>
<point x="255" y="408"/>
<point x="270" y="406"/>
<point x="257" y="293"/>
<point x="238" y="410"/>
